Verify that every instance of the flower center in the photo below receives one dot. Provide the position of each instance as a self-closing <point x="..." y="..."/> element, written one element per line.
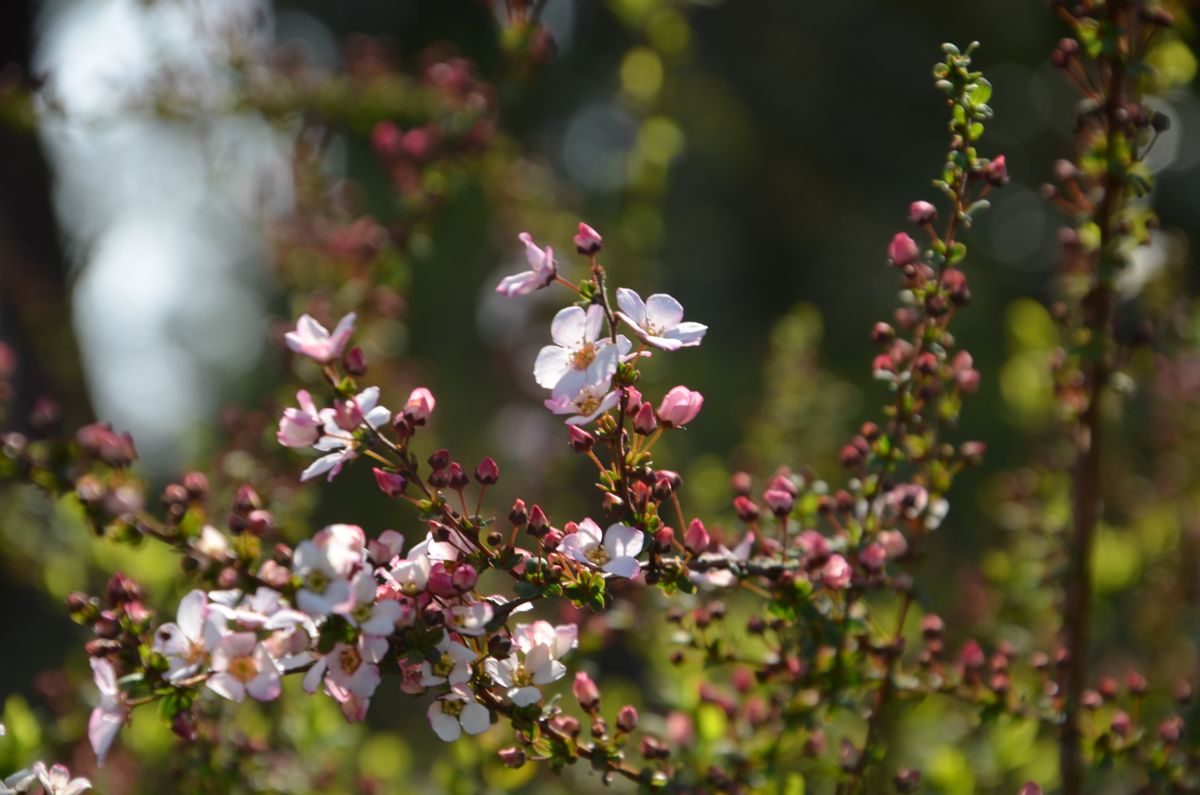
<point x="452" y="707"/>
<point x="583" y="356"/>
<point x="362" y="613"/>
<point x="443" y="666"/>
<point x="587" y="403"/>
<point x="243" y="669"/>
<point x="350" y="659"/>
<point x="598" y="555"/>
<point x="521" y="677"/>
<point x="317" y="581"/>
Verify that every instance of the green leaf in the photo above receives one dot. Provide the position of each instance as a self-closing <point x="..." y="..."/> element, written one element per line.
<point x="981" y="93"/>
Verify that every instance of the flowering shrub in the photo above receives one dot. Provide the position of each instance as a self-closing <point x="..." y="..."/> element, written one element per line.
<point x="801" y="622"/>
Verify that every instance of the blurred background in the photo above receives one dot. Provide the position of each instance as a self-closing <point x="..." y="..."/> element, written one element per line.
<point x="157" y="197"/>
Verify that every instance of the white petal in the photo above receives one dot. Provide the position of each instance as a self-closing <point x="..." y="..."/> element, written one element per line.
<point x="623" y="567"/>
<point x="568" y="327"/>
<point x="551" y="365"/>
<point x="631" y="305"/>
<point x="191" y="614"/>
<point x="226" y="685"/>
<point x="687" y="334"/>
<point x="663" y="311"/>
<point x="444" y="726"/>
<point x="622" y="540"/>
<point x="524" y="696"/>
<point x="475" y="718"/>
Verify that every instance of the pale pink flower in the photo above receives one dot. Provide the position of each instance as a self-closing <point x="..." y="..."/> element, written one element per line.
<point x="534" y="661"/>
<point x="589" y="400"/>
<point x="373" y="618"/>
<point x="312" y="339"/>
<point x="659" y="320"/>
<point x="110" y="714"/>
<point x="325" y="564"/>
<point x="679" y="407"/>
<point x="542" y="270"/>
<point x="574" y="360"/>
<point x="458" y="712"/>
<point x="470" y="618"/>
<point x="187" y="641"/>
<point x="300" y="427"/>
<point x="339" y="444"/>
<point x="241" y="665"/>
<point x="615" y="551"/>
<point x="57" y="780"/>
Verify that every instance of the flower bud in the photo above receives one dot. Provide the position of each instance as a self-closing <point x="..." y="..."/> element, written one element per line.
<point x="921" y="213"/>
<point x="588" y="242"/>
<point x="184" y="726"/>
<point x="996" y="171"/>
<point x="538" y="523"/>
<point x="420" y="405"/>
<point x="664" y="538"/>
<point x="741" y="484"/>
<point x="907" y="780"/>
<point x="1030" y="788"/>
<point x="836" y="573"/>
<point x="488" y="471"/>
<point x="464" y="578"/>
<point x="903" y="250"/>
<point x="746" y="508"/>
<point x="355" y="361"/>
<point x="627" y="718"/>
<point x="696" y="538"/>
<point x="873" y="557"/>
<point x="612" y="506"/>
<point x="644" y="422"/>
<point x="458" y="478"/>
<point x="246" y="499"/>
<point x="779" y="501"/>
<point x="512" y="756"/>
<point x="580" y="440"/>
<point x="260" y="522"/>
<point x="1122" y="724"/>
<point x="196" y="484"/>
<point x="390" y="483"/>
<point x="679" y="407"/>
<point x="518" y="516"/>
<point x="586" y="692"/>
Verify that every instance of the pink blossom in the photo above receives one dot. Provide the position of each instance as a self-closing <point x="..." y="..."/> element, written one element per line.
<point x="574" y="360"/>
<point x="187" y="641"/>
<point x="836" y="573"/>
<point x="922" y="212"/>
<point x="696" y="538"/>
<point x="312" y="339"/>
<point x="679" y="407"/>
<point x="373" y="618"/>
<point x="339" y="443"/>
<point x="57" y="780"/>
<point x="300" y="427"/>
<point x="659" y="320"/>
<point x="542" y="270"/>
<point x="588" y="400"/>
<point x="241" y="665"/>
<point x="588" y="241"/>
<point x="453" y="667"/>
<point x="458" y="712"/>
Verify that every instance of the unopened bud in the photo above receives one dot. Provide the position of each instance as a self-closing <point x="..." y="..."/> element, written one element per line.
<point x="645" y="422"/>
<point x="627" y="718"/>
<point x="696" y="538"/>
<point x="487" y="472"/>
<point x="355" y="361"/>
<point x="580" y="440"/>
<point x="586" y="692"/>
<point x="390" y="483"/>
<point x="512" y="756"/>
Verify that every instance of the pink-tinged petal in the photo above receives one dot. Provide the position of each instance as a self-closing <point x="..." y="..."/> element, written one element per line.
<point x="193" y="609"/>
<point x="266" y="686"/>
<point x="662" y="343"/>
<point x="341" y="334"/>
<point x="523" y="697"/>
<point x="590" y="531"/>
<point x="104" y="677"/>
<point x="367" y="399"/>
<point x="569" y="327"/>
<point x="595" y="323"/>
<point x="522" y="283"/>
<point x="623" y="567"/>
<point x="607" y="404"/>
<point x="224" y="684"/>
<point x="688" y="334"/>
<point x="312" y="677"/>
<point x="575" y="548"/>
<point x="170" y="641"/>
<point x="446" y="727"/>
<point x="552" y="364"/>
<point x="533" y="255"/>
<point x="325" y="463"/>
<point x="76" y="787"/>
<point x="631" y="306"/>
<point x="305" y="402"/>
<point x="663" y="312"/>
<point x="373" y="647"/>
<point x="623" y="541"/>
<point x="383" y="618"/>
<point x="475" y="718"/>
<point x="566" y="637"/>
<point x="378" y="417"/>
<point x="103" y="726"/>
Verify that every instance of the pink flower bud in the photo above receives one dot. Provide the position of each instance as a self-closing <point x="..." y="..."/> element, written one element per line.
<point x="633" y="400"/>
<point x="745" y="507"/>
<point x="814" y="545"/>
<point x="1030" y="788"/>
<point x="780" y="501"/>
<point x="836" y="573"/>
<point x="645" y="423"/>
<point x="355" y="361"/>
<point x="679" y="407"/>
<point x="586" y="692"/>
<point x="538" y="523"/>
<point x="664" y="538"/>
<point x="996" y="171"/>
<point x="627" y="718"/>
<point x="512" y="756"/>
<point x="921" y="212"/>
<point x="873" y="557"/>
<point x="385" y="138"/>
<point x="696" y="538"/>
<point x="348" y="414"/>
<point x="894" y="543"/>
<point x="420" y="405"/>
<point x="588" y="241"/>
<point x="464" y="578"/>
<point x="903" y="250"/>
<point x="390" y="483"/>
<point x="580" y="440"/>
<point x="488" y="471"/>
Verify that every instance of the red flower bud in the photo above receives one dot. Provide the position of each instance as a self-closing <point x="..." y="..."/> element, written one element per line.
<point x="696" y="538"/>
<point x="580" y="440"/>
<point x="922" y="212"/>
<point x="903" y="250"/>
<point x="488" y="471"/>
<point x="390" y="483"/>
<point x="645" y="421"/>
<point x="627" y="718"/>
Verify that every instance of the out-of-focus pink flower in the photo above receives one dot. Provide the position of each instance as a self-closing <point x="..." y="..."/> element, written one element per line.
<point x="658" y="321"/>
<point x="903" y="250"/>
<point x="312" y="339"/>
<point x="836" y="573"/>
<point x="187" y="641"/>
<point x="542" y="270"/>
<point x="679" y="407"/>
<point x="458" y="712"/>
<point x="242" y="665"/>
<point x="585" y="691"/>
<point x="922" y="212"/>
<point x="57" y="780"/>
